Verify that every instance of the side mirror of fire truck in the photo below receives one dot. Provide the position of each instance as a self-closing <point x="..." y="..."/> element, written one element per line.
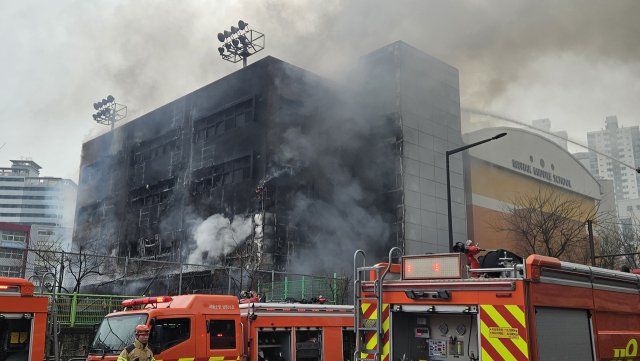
<point x="158" y="332"/>
<point x="207" y="326"/>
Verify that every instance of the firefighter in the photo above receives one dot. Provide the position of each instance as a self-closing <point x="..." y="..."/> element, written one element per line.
<point x="138" y="351"/>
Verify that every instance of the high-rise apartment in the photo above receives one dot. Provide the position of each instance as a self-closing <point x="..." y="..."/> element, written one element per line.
<point x="623" y="144"/>
<point x="629" y="215"/>
<point x="559" y="137"/>
<point x="46" y="204"/>
<point x="583" y="157"/>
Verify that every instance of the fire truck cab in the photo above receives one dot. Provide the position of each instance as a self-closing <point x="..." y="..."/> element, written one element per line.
<point x="434" y="307"/>
<point x="23" y="321"/>
<point x="214" y="327"/>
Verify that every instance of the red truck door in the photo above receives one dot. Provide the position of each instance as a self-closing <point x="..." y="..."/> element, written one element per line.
<point x="178" y="337"/>
<point x="224" y="338"/>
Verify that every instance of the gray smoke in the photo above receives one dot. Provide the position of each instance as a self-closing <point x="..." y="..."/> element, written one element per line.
<point x="490" y="42"/>
<point x="217" y="236"/>
<point x="335" y="152"/>
<point x="148" y="53"/>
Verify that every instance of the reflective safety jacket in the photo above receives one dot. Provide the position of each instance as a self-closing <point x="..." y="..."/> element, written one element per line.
<point x="136" y="352"/>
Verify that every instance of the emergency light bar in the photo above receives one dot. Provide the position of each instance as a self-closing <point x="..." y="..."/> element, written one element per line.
<point x="146" y="301"/>
<point x="9" y="289"/>
<point x="432" y="267"/>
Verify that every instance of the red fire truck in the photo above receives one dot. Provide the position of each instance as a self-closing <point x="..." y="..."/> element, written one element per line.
<point x="434" y="307"/>
<point x="23" y="321"/>
<point x="213" y="327"/>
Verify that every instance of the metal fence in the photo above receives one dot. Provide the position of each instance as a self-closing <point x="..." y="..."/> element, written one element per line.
<point x="75" y="309"/>
<point x="82" y="280"/>
<point x="85" y="310"/>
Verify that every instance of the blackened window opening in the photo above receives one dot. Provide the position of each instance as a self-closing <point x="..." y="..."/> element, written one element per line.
<point x="152" y="194"/>
<point x="94" y="171"/>
<point x="90" y="213"/>
<point x="225" y="120"/>
<point x="157" y="147"/>
<point x="219" y="175"/>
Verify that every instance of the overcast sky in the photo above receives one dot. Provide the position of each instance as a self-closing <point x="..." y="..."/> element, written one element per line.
<point x="574" y="62"/>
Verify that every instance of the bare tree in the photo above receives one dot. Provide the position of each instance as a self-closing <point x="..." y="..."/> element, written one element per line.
<point x="548" y="222"/>
<point x="339" y="286"/>
<point x="616" y="237"/>
<point x="84" y="263"/>
<point x="46" y="255"/>
<point x="248" y="262"/>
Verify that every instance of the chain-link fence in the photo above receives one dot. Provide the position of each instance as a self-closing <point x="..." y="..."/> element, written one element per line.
<point x="90" y="274"/>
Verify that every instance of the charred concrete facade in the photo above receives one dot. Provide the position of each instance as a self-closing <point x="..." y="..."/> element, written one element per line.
<point x="320" y="169"/>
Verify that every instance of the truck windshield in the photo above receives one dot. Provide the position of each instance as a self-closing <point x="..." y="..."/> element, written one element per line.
<point x="116" y="333"/>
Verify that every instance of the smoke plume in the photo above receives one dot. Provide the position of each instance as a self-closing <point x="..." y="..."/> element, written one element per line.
<point x="216" y="236"/>
<point x="149" y="53"/>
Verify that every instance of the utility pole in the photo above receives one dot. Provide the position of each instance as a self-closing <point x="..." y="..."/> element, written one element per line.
<point x="593" y="252"/>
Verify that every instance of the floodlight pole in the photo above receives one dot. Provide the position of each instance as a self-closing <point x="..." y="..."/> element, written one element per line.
<point x="240" y="43"/>
<point x="108" y="112"/>
<point x="448" y="153"/>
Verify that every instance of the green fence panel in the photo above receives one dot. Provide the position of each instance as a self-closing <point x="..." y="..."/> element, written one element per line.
<point x="86" y="310"/>
<point x="298" y="289"/>
<point x="278" y="291"/>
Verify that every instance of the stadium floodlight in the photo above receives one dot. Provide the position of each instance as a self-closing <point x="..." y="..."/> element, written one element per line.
<point x="109" y="111"/>
<point x="241" y="42"/>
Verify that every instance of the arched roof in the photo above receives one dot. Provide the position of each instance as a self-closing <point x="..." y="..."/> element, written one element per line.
<point x="535" y="156"/>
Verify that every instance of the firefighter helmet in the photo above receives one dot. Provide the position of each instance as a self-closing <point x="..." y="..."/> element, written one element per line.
<point x="142" y="330"/>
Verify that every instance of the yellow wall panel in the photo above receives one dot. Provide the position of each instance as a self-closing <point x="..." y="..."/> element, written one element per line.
<point x="503" y="185"/>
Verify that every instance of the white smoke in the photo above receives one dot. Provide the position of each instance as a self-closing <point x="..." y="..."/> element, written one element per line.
<point x="218" y="235"/>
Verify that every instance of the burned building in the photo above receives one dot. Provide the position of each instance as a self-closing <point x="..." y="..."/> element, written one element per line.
<point x="306" y="169"/>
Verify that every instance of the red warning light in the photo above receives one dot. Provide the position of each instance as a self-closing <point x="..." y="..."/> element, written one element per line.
<point x="219" y="335"/>
<point x="146" y="301"/>
<point x="9" y="288"/>
<point x="431" y="267"/>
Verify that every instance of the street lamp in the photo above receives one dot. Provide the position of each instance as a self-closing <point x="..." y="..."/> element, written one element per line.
<point x="240" y="43"/>
<point x="109" y="111"/>
<point x="448" y="153"/>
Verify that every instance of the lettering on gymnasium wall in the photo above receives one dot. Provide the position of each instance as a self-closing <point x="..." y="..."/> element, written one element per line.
<point x="527" y="168"/>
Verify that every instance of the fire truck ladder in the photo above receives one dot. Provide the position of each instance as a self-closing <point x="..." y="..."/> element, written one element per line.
<point x="361" y="325"/>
